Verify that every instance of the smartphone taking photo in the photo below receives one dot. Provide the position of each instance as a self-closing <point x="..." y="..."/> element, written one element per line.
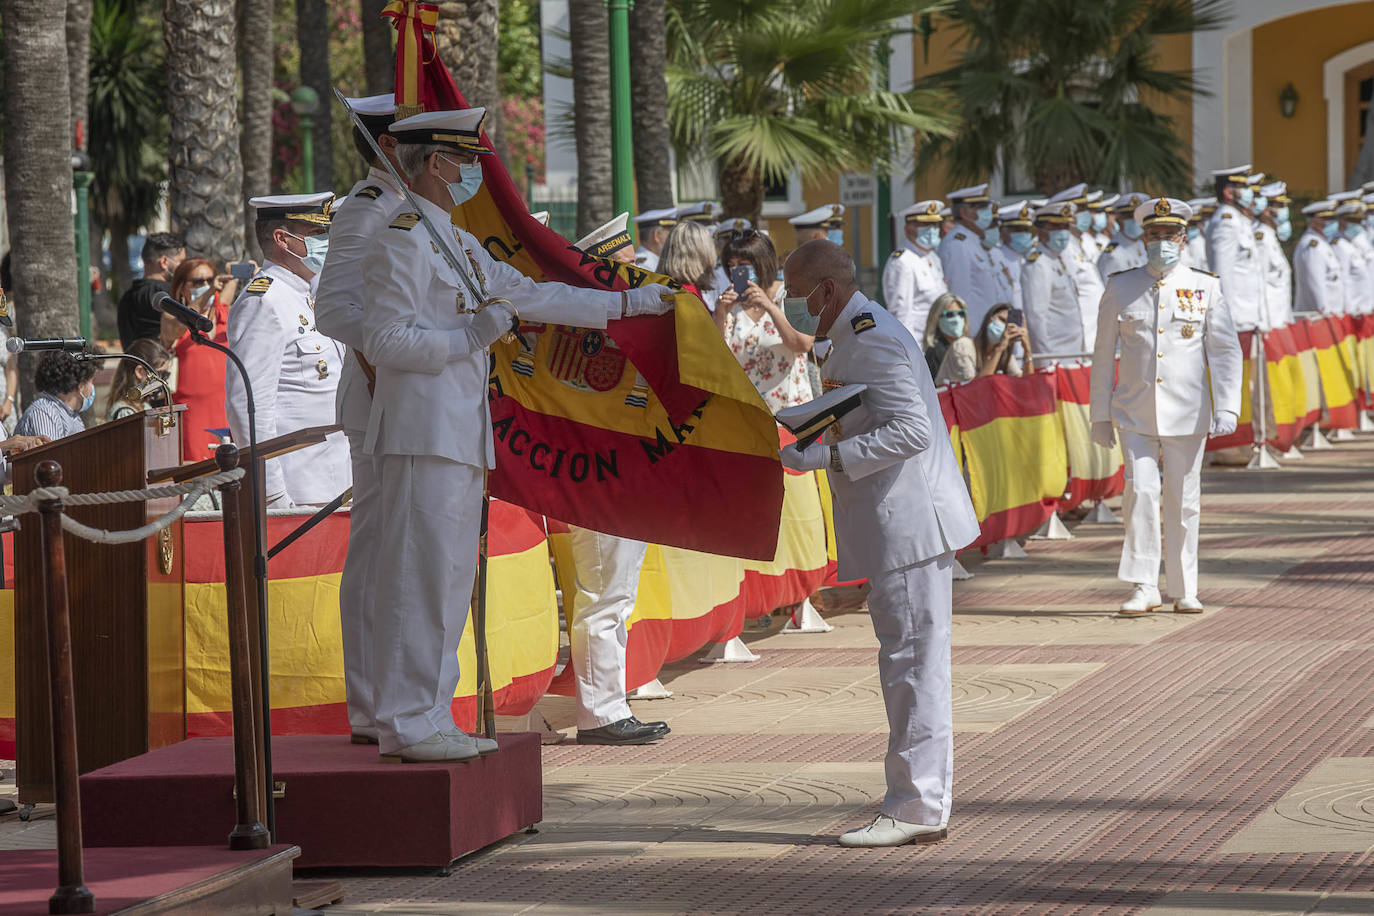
<point x="242" y="270"/>
<point x="1014" y="316"/>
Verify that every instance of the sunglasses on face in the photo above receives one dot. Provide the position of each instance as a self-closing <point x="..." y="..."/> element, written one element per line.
<point x="953" y="313"/>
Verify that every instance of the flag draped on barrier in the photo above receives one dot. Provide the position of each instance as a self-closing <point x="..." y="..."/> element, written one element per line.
<point x="649" y="429"/>
<point x="1094" y="472"/>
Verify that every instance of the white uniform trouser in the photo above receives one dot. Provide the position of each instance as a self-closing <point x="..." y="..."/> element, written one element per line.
<point x="911" y="616"/>
<point x="356" y="583"/>
<point x="607" y="584"/>
<point x="1182" y="498"/>
<point x="426" y="559"/>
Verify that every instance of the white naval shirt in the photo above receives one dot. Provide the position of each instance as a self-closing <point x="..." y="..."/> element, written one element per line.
<point x="1359" y="293"/>
<point x="1175" y="334"/>
<point x="1121" y="254"/>
<point x="1235" y="259"/>
<point x="1091" y="247"/>
<point x="339" y="300"/>
<point x="431" y="392"/>
<point x="1088" y="283"/>
<point x="968" y="269"/>
<point x="1278" y="277"/>
<point x="1050" y="293"/>
<point x="1007" y="273"/>
<point x="1318" y="285"/>
<point x="646" y="259"/>
<point x="912" y="280"/>
<point x="295" y="373"/>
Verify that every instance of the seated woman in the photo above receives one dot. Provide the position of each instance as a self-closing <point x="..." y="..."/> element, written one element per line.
<point x="66" y="390"/>
<point x="950" y="352"/>
<point x="123" y="399"/>
<point x="994" y="344"/>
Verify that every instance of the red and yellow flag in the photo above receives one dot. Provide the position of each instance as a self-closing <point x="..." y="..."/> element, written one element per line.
<point x="1094" y="472"/>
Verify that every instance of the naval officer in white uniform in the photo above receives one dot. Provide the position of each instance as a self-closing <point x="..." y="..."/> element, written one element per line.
<point x="1233" y="250"/>
<point x="430" y="427"/>
<point x="823" y="222"/>
<point x="1127" y="247"/>
<point x="901" y="511"/>
<point x="1318" y="284"/>
<point x="293" y="367"/>
<point x="1272" y="229"/>
<point x="653" y="226"/>
<point x="969" y="267"/>
<point x="913" y="277"/>
<point x="1175" y="334"/>
<point x="339" y="314"/>
<point x="1049" y="286"/>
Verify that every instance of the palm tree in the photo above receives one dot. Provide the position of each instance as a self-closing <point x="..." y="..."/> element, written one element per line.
<point x="768" y="86"/>
<point x="588" y="35"/>
<point x="206" y="174"/>
<point x="78" y="62"/>
<point x="312" y="34"/>
<point x="652" y="141"/>
<point x="379" y="63"/>
<point x="468" y="39"/>
<point x="255" y="145"/>
<point x="1065" y="91"/>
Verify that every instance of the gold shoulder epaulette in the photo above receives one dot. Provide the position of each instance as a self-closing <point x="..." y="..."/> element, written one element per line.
<point x="371" y="192"/>
<point x="259" y="285"/>
<point x="960" y="236"/>
<point x="1311" y="243"/>
<point x="862" y="322"/>
<point x="898" y="252"/>
<point x="1259" y="236"/>
<point x="405" y="221"/>
<point x="1032" y="256"/>
<point x="1207" y="272"/>
<point x="1111" y="246"/>
<point x="1227" y="215"/>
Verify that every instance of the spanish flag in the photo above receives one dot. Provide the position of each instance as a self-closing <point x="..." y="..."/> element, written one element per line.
<point x="1094" y="472"/>
<point x="649" y="429"/>
<point x="1329" y="339"/>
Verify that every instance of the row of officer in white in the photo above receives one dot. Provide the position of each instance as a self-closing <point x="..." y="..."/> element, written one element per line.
<point x="427" y="335"/>
<point x="1318" y="283"/>
<point x="607" y="570"/>
<point x="1355" y="263"/>
<point x="1016" y="239"/>
<point x="1195" y="249"/>
<point x="1127" y="247"/>
<point x="1049" y="286"/>
<point x="339" y="313"/>
<point x="913" y="277"/>
<point x="1272" y="228"/>
<point x="823" y="222"/>
<point x="293" y="368"/>
<point x="1178" y="381"/>
<point x="968" y="266"/>
<point x="1080" y="256"/>
<point x="1004" y="280"/>
<point x="1233" y="251"/>
<point x="901" y="511"/>
<point x="1102" y="226"/>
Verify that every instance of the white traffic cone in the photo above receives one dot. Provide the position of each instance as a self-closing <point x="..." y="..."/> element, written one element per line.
<point x="806" y="619"/>
<point x="733" y="651"/>
<point x="1052" y="530"/>
<point x="654" y="690"/>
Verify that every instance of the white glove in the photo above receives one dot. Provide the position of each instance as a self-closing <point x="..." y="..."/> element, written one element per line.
<point x="1223" y="423"/>
<point x="814" y="457"/>
<point x="648" y="300"/>
<point x="486" y="327"/>
<point x="1103" y="434"/>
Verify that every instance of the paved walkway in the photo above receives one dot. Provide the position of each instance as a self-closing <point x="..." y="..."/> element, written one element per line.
<point x="1221" y="764"/>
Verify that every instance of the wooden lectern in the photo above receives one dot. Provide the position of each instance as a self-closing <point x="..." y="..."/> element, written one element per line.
<point x="126" y="606"/>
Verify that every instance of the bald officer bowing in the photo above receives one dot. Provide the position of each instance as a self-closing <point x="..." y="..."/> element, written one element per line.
<point x="430" y="427"/>
<point x="901" y="511"/>
<point x="1177" y="383"/>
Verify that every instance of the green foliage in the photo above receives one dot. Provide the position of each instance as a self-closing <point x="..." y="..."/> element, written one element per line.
<point x="518" y="56"/>
<point x="1061" y="89"/>
<point x="777" y="85"/>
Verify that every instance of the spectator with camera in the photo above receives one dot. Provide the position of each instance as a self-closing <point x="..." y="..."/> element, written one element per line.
<point x="994" y="344"/>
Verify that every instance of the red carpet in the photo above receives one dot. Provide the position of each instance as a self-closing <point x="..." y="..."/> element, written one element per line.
<point x="337" y="797"/>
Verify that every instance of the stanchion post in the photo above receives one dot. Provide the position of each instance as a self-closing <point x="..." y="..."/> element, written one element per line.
<point x="248" y="832"/>
<point x="72" y="895"/>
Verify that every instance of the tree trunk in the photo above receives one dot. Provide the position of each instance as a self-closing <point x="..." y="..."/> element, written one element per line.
<point x="589" y="34"/>
<point x="205" y="177"/>
<point x="648" y="53"/>
<point x="379" y="60"/>
<point x="741" y="191"/>
<point x="467" y="38"/>
<point x="38" y="174"/>
<point x="255" y="145"/>
<point x="312" y="33"/>
<point x="79" y="66"/>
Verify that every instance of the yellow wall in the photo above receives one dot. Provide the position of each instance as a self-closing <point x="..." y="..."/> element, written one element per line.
<point x="815" y="193"/>
<point x="1293" y="50"/>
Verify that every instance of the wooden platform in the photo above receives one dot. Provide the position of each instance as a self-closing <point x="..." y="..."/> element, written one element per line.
<point x="159" y="879"/>
<point x="340" y="805"/>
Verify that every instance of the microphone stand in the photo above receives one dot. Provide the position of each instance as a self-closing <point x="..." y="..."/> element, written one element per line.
<point x="152" y="374"/>
<point x="259" y="569"/>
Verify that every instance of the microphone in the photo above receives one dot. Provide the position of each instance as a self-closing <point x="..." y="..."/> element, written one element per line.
<point x="188" y="316"/>
<point x="69" y="344"/>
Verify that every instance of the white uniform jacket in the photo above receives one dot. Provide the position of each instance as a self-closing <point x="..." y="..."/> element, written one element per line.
<point x="912" y="280"/>
<point x="1359" y="291"/>
<point x="1318" y="285"/>
<point x="1175" y="331"/>
<point x="1278" y="277"/>
<point x="1088" y="282"/>
<point x="1195" y="251"/>
<point x="1236" y="260"/>
<point x="295" y="374"/>
<point x="901" y="499"/>
<point x="646" y="259"/>
<point x="431" y="391"/>
<point x="1121" y="254"/>
<point x="969" y="268"/>
<point x="1008" y="277"/>
<point x="1049" y="292"/>
<point x="1090" y="246"/>
<point x="339" y="301"/>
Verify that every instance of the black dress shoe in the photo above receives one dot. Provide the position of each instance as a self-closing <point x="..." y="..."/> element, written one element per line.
<point x="626" y="731"/>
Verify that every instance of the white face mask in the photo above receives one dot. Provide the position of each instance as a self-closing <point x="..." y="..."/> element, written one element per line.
<point x="1163" y="253"/>
<point x="467" y="186"/>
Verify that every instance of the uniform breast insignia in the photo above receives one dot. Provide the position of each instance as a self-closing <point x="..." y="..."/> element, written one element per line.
<point x="371" y="192"/>
<point x="1311" y="243"/>
<point x="405" y="221"/>
<point x="259" y="285"/>
<point x="1033" y="256"/>
<point x="1259" y="236"/>
<point x="305" y="323"/>
<point x="322" y="367"/>
<point x="1207" y="272"/>
<point x="1191" y="303"/>
<point x="1187" y="330"/>
<point x="862" y="322"/>
<point x="1227" y="215"/>
<point x="959" y="236"/>
<point x="1111" y="246"/>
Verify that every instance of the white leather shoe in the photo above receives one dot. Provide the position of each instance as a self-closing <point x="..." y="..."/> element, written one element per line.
<point x="1143" y="600"/>
<point x="888" y="831"/>
<point x="437" y="748"/>
<point x="1187" y="606"/>
<point x="484" y="745"/>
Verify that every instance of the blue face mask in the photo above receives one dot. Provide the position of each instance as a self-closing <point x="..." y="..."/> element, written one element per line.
<point x="204" y="288"/>
<point x="1020" y="242"/>
<point x="466" y="188"/>
<point x="928" y="237"/>
<point x="1099" y="222"/>
<point x="982" y="217"/>
<point x="1261" y="203"/>
<point x="316" y="247"/>
<point x="1281" y="215"/>
<point x="1284" y="231"/>
<point x="1329" y="230"/>
<point x="795" y="310"/>
<point x="1193" y="232"/>
<point x="1131" y="229"/>
<point x="1083" y="220"/>
<point x="835" y="235"/>
<point x="952" y="325"/>
<point x="1058" y="240"/>
<point x="87" y="401"/>
<point x="1352" y="230"/>
<point x="1246" y="197"/>
<point x="1163" y="253"/>
<point x="995" y="330"/>
<point x="990" y="240"/>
